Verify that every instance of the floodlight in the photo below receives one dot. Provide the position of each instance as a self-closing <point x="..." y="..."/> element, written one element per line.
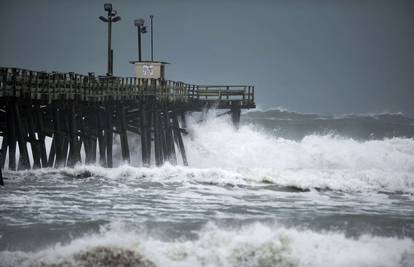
<point x="110" y="17"/>
<point x="139" y="22"/>
<point x="103" y="19"/>
<point x="117" y="18"/>
<point x="144" y="29"/>
<point x="108" y="7"/>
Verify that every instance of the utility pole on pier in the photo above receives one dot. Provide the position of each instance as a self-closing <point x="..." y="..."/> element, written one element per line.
<point x="111" y="17"/>
<point x="139" y="23"/>
<point x="152" y="38"/>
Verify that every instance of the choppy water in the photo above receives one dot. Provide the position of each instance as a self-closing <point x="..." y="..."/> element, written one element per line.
<point x="250" y="198"/>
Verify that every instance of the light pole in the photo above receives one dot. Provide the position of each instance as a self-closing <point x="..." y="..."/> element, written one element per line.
<point x="152" y="38"/>
<point x="139" y="23"/>
<point x="111" y="17"/>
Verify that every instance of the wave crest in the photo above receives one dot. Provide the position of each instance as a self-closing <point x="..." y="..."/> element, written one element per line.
<point x="254" y="244"/>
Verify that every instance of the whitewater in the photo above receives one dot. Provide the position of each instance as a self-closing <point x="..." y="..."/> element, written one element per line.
<point x="251" y="197"/>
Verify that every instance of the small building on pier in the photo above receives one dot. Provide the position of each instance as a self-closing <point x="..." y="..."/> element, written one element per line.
<point x="149" y="69"/>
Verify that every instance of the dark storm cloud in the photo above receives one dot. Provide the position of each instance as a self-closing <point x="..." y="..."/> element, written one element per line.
<point x="313" y="56"/>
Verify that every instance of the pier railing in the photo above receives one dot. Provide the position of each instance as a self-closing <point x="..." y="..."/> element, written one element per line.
<point x="41" y="85"/>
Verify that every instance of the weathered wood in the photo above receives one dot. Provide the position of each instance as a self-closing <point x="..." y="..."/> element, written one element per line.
<point x="41" y="137"/>
<point x="122" y="128"/>
<point x="149" y="131"/>
<point x="235" y="114"/>
<point x="101" y="139"/>
<point x="65" y="117"/>
<point x="158" y="150"/>
<point x="33" y="140"/>
<point x="73" y="157"/>
<point x="92" y="123"/>
<point x="87" y="139"/>
<point x="109" y="135"/>
<point x="79" y="134"/>
<point x="183" y="119"/>
<point x="52" y="152"/>
<point x="179" y="139"/>
<point x="172" y="158"/>
<point x="3" y="151"/>
<point x="59" y="137"/>
<point x="24" y="162"/>
<point x="164" y="138"/>
<point x="11" y="135"/>
<point x="145" y="142"/>
<point x="1" y="176"/>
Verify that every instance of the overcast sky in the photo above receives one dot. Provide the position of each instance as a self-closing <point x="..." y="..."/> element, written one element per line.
<point x="322" y="56"/>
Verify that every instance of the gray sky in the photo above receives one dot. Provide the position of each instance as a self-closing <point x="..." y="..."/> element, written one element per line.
<point x="321" y="56"/>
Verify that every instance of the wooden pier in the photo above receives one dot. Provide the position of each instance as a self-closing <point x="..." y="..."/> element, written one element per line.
<point x="82" y="113"/>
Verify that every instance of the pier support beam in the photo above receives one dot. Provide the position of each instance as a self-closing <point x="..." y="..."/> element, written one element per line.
<point x="11" y="135"/>
<point x="101" y="140"/>
<point x="179" y="139"/>
<point x="169" y="140"/>
<point x="235" y="114"/>
<point x="109" y="135"/>
<point x="32" y="138"/>
<point x="145" y="140"/>
<point x="52" y="152"/>
<point x="59" y="136"/>
<point x="1" y="177"/>
<point x="41" y="136"/>
<point x="74" y="156"/>
<point x="122" y="129"/>
<point x="3" y="151"/>
<point x="24" y="162"/>
<point x="158" y="143"/>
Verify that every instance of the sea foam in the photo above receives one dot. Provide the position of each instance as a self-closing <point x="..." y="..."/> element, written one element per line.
<point x="255" y="244"/>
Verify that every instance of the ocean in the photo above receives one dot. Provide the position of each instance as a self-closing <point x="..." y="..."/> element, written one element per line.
<point x="285" y="189"/>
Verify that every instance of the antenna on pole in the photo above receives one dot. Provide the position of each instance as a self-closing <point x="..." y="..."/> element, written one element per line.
<point x="152" y="39"/>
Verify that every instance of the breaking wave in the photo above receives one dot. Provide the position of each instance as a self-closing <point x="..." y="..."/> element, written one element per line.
<point x="255" y="244"/>
<point x="219" y="154"/>
<point x="325" y="162"/>
<point x="294" y="125"/>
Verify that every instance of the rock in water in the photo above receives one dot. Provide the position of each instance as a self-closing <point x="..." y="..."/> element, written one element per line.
<point x="106" y="256"/>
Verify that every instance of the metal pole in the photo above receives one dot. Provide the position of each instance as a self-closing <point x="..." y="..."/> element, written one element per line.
<point x="112" y="62"/>
<point x="152" y="40"/>
<point x="139" y="43"/>
<point x="109" y="73"/>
